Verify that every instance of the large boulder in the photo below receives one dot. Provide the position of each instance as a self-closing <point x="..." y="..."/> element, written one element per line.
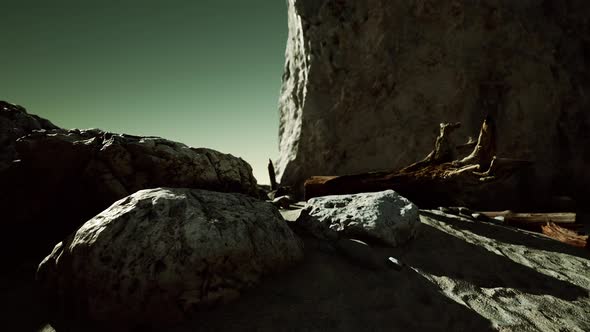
<point x="384" y="217"/>
<point x="156" y="256"/>
<point x="367" y="82"/>
<point x="61" y="178"/>
<point x="15" y="122"/>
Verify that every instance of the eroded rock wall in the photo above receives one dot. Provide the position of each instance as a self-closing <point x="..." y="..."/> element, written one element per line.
<point x="367" y="82"/>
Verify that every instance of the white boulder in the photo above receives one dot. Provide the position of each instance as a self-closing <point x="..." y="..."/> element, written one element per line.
<point x="384" y="216"/>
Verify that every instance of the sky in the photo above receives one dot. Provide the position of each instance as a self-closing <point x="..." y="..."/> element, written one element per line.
<point x="206" y="73"/>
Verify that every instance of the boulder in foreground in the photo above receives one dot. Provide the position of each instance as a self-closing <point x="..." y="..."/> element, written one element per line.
<point x="385" y="216"/>
<point x="158" y="255"/>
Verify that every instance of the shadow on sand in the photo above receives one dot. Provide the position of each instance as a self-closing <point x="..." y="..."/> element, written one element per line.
<point x="327" y="293"/>
<point x="439" y="253"/>
<point x="508" y="234"/>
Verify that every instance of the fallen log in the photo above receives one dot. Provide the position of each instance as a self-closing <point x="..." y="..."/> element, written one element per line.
<point x="480" y="180"/>
<point x="532" y="218"/>
<point x="561" y="226"/>
<point x="561" y="234"/>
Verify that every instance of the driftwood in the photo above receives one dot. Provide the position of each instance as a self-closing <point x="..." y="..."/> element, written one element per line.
<point x="565" y="235"/>
<point x="561" y="226"/>
<point x="272" y="175"/>
<point x="479" y="180"/>
<point x="563" y="219"/>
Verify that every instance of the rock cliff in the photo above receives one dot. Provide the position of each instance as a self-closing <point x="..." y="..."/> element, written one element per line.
<point x="367" y="82"/>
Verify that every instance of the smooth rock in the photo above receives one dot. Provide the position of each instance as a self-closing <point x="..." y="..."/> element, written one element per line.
<point x="366" y="84"/>
<point x="159" y="254"/>
<point x="386" y="217"/>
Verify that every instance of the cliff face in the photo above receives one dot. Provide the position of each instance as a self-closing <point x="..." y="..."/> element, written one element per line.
<point x="367" y="82"/>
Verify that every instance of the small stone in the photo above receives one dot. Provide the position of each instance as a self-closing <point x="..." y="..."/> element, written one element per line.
<point x="282" y="202"/>
<point x="395" y="263"/>
<point x="465" y="211"/>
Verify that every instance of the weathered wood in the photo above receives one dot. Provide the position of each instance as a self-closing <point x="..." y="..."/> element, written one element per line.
<point x="485" y="149"/>
<point x="561" y="234"/>
<point x="272" y="176"/>
<point x="533" y="218"/>
<point x="534" y="221"/>
<point x="479" y="180"/>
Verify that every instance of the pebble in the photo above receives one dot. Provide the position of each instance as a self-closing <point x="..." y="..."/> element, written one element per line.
<point x="395" y="263"/>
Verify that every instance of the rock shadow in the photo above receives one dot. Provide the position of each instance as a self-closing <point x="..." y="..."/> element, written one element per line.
<point x="328" y="293"/>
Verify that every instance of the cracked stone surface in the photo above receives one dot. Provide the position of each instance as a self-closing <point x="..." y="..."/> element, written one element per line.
<point x="367" y="82"/>
<point x="386" y="217"/>
<point x="160" y="254"/>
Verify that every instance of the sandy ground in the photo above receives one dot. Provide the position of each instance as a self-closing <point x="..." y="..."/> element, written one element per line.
<point x="460" y="276"/>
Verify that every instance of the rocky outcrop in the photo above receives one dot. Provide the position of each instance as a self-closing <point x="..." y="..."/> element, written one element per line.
<point x="366" y="84"/>
<point x="118" y="165"/>
<point x="385" y="217"/>
<point x="159" y="254"/>
<point x="15" y="122"/>
<point x="61" y="178"/>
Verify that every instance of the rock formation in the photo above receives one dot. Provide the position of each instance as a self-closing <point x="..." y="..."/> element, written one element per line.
<point x="367" y="82"/>
<point x="61" y="178"/>
<point x="15" y="122"/>
<point x="159" y="254"/>
<point x="384" y="217"/>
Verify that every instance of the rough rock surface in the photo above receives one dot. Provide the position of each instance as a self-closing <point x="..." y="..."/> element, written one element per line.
<point x="15" y="122"/>
<point x="65" y="177"/>
<point x="159" y="254"/>
<point x="367" y="82"/>
<point x="383" y="216"/>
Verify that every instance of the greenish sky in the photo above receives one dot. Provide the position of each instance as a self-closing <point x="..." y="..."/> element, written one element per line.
<point x="203" y="72"/>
